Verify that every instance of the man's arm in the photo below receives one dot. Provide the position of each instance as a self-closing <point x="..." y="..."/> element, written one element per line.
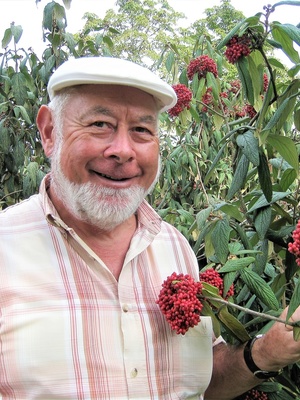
<point x="231" y="376"/>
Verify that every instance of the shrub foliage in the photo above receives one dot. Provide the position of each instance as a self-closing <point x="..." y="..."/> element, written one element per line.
<point x="230" y="149"/>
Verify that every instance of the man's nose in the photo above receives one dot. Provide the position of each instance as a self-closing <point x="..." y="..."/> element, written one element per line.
<point x="121" y="147"/>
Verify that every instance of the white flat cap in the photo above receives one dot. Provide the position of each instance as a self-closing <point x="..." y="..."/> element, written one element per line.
<point x="111" y="71"/>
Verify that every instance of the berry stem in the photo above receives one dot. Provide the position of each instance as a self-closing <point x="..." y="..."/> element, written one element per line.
<point x="248" y="311"/>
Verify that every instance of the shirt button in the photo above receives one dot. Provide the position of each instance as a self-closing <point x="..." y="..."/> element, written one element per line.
<point x="134" y="373"/>
<point x="125" y="308"/>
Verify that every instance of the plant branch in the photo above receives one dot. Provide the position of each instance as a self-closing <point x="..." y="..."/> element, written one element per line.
<point x="248" y="311"/>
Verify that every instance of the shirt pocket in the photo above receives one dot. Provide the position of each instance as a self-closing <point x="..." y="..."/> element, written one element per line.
<point x="192" y="360"/>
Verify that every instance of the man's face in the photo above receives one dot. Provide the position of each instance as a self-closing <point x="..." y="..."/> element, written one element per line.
<point x="109" y="153"/>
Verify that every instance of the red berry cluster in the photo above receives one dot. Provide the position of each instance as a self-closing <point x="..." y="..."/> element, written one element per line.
<point x="235" y="86"/>
<point x="184" y="97"/>
<point x="254" y="394"/>
<point x="213" y="277"/>
<point x="294" y="247"/>
<point x="265" y="82"/>
<point x="250" y="110"/>
<point x="237" y="47"/>
<point x="201" y="65"/>
<point x="179" y="302"/>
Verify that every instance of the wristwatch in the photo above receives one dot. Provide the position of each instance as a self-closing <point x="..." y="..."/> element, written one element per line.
<point x="260" y="374"/>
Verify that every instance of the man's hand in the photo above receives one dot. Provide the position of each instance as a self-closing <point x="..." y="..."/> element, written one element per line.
<point x="277" y="348"/>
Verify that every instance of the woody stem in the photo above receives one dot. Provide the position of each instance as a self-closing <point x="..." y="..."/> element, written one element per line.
<point x="248" y="311"/>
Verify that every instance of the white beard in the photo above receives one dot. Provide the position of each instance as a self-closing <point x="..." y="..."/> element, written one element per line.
<point x="103" y="207"/>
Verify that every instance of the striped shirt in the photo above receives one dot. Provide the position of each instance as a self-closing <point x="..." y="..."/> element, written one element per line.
<point x="70" y="330"/>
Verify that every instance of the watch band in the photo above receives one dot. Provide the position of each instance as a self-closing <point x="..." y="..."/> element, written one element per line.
<point x="261" y="374"/>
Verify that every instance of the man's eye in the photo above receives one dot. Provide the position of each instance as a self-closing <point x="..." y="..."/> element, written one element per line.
<point x="100" y="124"/>
<point x="140" y="129"/>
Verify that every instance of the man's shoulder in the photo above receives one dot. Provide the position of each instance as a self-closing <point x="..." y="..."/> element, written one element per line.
<point x="20" y="212"/>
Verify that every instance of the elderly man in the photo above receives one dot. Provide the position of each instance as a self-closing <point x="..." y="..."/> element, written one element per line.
<point x="82" y="262"/>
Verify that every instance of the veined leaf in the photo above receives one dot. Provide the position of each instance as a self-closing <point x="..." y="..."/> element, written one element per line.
<point x="239" y="177"/>
<point x="281" y="36"/>
<point x="292" y="31"/>
<point x="16" y="31"/>
<point x="220" y="239"/>
<point x="264" y="176"/>
<point x="288" y="177"/>
<point x="236" y="264"/>
<point x="231" y="210"/>
<point x="214" y="163"/>
<point x="286" y="148"/>
<point x="202" y="216"/>
<point x="6" y="38"/>
<point x="248" y="144"/>
<point x="281" y="114"/>
<point x="297" y="119"/>
<point x="260" y="288"/>
<point x="233" y="324"/>
<point x="18" y="82"/>
<point x="262" y="201"/>
<point x="207" y="310"/>
<point x="294" y="302"/>
<point x="244" y="74"/>
<point x="262" y="221"/>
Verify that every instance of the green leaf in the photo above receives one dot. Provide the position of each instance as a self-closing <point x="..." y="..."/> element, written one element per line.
<point x="286" y="148"/>
<point x="231" y="210"/>
<point x="260" y="288"/>
<point x="7" y="37"/>
<point x="248" y="143"/>
<point x="213" y="83"/>
<point x="287" y="3"/>
<point x="24" y="114"/>
<point x="262" y="202"/>
<point x="297" y="119"/>
<point x="280" y="35"/>
<point x="18" y="154"/>
<point x="294" y="302"/>
<point x="255" y="70"/>
<point x="233" y="325"/>
<point x="288" y="178"/>
<point x="247" y="21"/>
<point x="16" y="31"/>
<point x="239" y="177"/>
<point x="281" y="115"/>
<point x="296" y="333"/>
<point x="262" y="221"/>
<point x="207" y="310"/>
<point x="244" y="74"/>
<point x="292" y="31"/>
<point x="220" y="239"/>
<point x="214" y="163"/>
<point x="202" y="217"/>
<point x="264" y="176"/>
<point x="18" y="82"/>
<point x="236" y="264"/>
<point x="170" y="61"/>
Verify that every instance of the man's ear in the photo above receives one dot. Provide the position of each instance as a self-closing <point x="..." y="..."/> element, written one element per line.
<point x="44" y="122"/>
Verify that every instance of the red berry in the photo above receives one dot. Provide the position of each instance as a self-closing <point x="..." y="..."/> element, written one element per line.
<point x="179" y="302"/>
<point x="254" y="394"/>
<point x="213" y="277"/>
<point x="294" y="247"/>
<point x="237" y="47"/>
<point x="184" y="97"/>
<point x="201" y="65"/>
